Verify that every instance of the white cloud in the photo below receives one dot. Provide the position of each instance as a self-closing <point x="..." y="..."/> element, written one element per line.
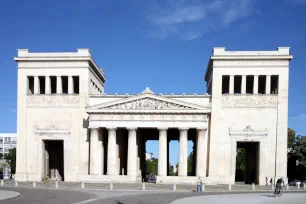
<point x="190" y="19"/>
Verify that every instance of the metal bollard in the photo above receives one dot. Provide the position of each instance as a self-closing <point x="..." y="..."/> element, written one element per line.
<point x="287" y="186"/>
<point x="56" y="184"/>
<point x="174" y="187"/>
<point x="82" y="185"/>
<point x="34" y="184"/>
<point x="229" y="187"/>
<point x="253" y="186"/>
<point x="16" y="183"/>
<point x="304" y="185"/>
<point x="272" y="187"/>
<point x="203" y="187"/>
<point x="111" y="187"/>
<point x="298" y="186"/>
<point x="2" y="182"/>
<point x="143" y="186"/>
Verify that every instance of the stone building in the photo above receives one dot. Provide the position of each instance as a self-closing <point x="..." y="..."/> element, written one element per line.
<point x="70" y="129"/>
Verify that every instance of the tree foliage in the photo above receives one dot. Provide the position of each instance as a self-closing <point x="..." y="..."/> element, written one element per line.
<point x="11" y="160"/>
<point x="240" y="164"/>
<point x="152" y="165"/>
<point x="296" y="156"/>
<point x="190" y="162"/>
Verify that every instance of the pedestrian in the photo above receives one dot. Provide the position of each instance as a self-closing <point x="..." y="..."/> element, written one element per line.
<point x="271" y="182"/>
<point x="266" y="181"/>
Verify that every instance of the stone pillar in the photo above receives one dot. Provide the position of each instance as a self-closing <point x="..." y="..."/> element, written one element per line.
<point x="131" y="169"/>
<point x="268" y="84"/>
<point x="231" y="88"/>
<point x="48" y="85"/>
<point x="243" y="84"/>
<point x="36" y="85"/>
<point x="201" y="152"/>
<point x="111" y="152"/>
<point x="183" y="154"/>
<point x="59" y="88"/>
<point x="70" y="85"/>
<point x="162" y="152"/>
<point x="95" y="160"/>
<point x="255" y="88"/>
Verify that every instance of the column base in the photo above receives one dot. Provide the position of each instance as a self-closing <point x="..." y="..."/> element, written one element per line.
<point x="110" y="179"/>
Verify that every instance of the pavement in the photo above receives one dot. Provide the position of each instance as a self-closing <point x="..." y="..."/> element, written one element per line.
<point x="263" y="198"/>
<point x="8" y="195"/>
<point x="50" y="196"/>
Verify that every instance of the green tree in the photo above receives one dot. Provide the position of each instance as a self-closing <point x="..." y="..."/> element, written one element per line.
<point x="11" y="160"/>
<point x="190" y="162"/>
<point x="291" y="137"/>
<point x="240" y="164"/>
<point x="152" y="166"/>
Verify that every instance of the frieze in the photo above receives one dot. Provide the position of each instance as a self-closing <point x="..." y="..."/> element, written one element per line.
<point x="249" y="101"/>
<point x="248" y="134"/>
<point x="52" y="101"/>
<point x="148" y="103"/>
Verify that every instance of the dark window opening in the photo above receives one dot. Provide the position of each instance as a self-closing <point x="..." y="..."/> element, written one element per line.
<point x="225" y="84"/>
<point x="65" y="84"/>
<point x="249" y="84"/>
<point x="53" y="84"/>
<point x="262" y="84"/>
<point x="274" y="84"/>
<point x="30" y="85"/>
<point x="76" y="85"/>
<point x="42" y="83"/>
<point x="237" y="84"/>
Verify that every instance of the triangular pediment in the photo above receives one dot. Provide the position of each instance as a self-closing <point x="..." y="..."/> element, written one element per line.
<point x="147" y="101"/>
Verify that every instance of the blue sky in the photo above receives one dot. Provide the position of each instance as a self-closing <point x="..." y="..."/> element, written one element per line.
<point x="161" y="44"/>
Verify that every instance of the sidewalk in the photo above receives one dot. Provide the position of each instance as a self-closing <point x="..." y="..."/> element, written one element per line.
<point x="7" y="195"/>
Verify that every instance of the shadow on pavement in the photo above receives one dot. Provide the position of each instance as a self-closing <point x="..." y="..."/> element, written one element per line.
<point x="270" y="196"/>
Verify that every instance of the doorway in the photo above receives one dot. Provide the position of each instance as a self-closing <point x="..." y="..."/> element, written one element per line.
<point x="54" y="159"/>
<point x="247" y="162"/>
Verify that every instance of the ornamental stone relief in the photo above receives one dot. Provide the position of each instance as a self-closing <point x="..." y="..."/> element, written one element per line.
<point x="52" y="101"/>
<point x="52" y="131"/>
<point x="147" y="103"/>
<point x="248" y="101"/>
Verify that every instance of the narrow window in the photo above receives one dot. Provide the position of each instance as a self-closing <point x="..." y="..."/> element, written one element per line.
<point x="42" y="84"/>
<point x="274" y="84"/>
<point x="237" y="84"/>
<point x="30" y="85"/>
<point x="76" y="84"/>
<point x="262" y="84"/>
<point x="225" y="84"/>
<point x="65" y="84"/>
<point x="249" y="84"/>
<point x="53" y="84"/>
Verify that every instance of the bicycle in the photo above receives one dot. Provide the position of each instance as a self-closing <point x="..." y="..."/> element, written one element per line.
<point x="278" y="192"/>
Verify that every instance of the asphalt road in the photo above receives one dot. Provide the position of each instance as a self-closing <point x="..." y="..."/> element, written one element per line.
<point x="48" y="196"/>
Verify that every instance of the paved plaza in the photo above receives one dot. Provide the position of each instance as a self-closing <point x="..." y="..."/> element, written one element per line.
<point x="50" y="196"/>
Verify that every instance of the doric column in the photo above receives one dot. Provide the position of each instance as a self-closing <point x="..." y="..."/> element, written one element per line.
<point x="111" y="152"/>
<point x="59" y="88"/>
<point x="70" y="85"/>
<point x="255" y="88"/>
<point x="48" y="85"/>
<point x="268" y="84"/>
<point x="95" y="153"/>
<point x="201" y="152"/>
<point x="162" y="152"/>
<point x="243" y="84"/>
<point x="36" y="85"/>
<point x="231" y="88"/>
<point x="132" y="156"/>
<point x="183" y="154"/>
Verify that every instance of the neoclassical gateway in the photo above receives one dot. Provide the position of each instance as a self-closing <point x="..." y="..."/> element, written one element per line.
<point x="69" y="129"/>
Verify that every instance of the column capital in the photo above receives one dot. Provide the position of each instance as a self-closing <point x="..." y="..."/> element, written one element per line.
<point x="131" y="128"/>
<point x="183" y="129"/>
<point x="162" y="128"/>
<point x="111" y="128"/>
<point x="201" y="129"/>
